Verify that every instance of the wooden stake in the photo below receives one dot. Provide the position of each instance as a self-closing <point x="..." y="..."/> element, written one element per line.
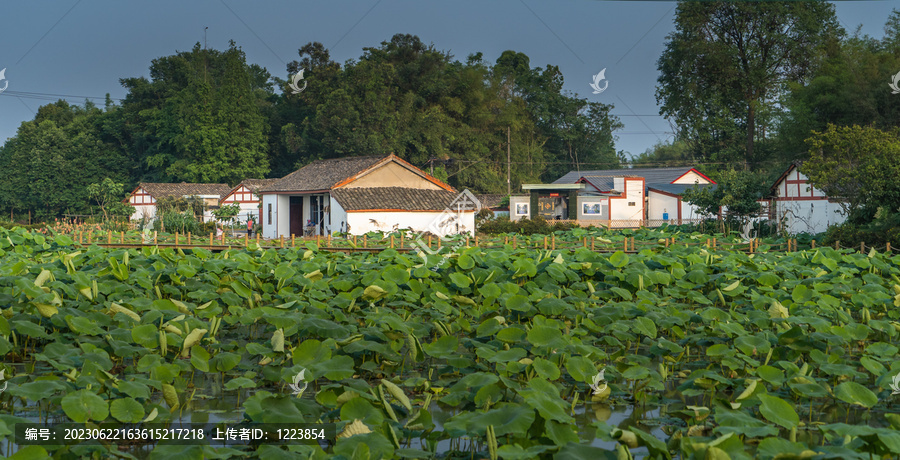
<point x="366" y="241"/>
<point x="553" y="241"/>
<point x="592" y="242"/>
<point x="122" y="237"/>
<point x="292" y="241"/>
<point x="176" y="238"/>
<point x="506" y="240"/>
<point x="888" y="247"/>
<point x="467" y="240"/>
<point x="189" y="237"/>
<point x="439" y="243"/>
<point x="862" y="247"/>
<point x="514" y="241"/>
<point x="246" y="240"/>
<point x="402" y="239"/>
<point x="392" y="241"/>
<point x="545" y="243"/>
<point x="257" y="240"/>
<point x="329" y="240"/>
<point x="476" y="241"/>
<point x="155" y="237"/>
<point x="632" y="243"/>
<point x="837" y="245"/>
<point x="109" y="237"/>
<point x="282" y="240"/>
<point x="626" y="244"/>
<point x="813" y="244"/>
<point x="210" y="238"/>
<point x="714" y="242"/>
<point x="429" y="241"/>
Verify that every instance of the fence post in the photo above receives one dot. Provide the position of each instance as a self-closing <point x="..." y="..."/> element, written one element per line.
<point x="154" y="237"/>
<point x="329" y="240"/>
<point x="714" y="242"/>
<point x="176" y="238"/>
<point x="122" y="237"/>
<point x="626" y="244"/>
<point x="392" y="241"/>
<point x="514" y="241"/>
<point x="632" y="244"/>
<point x="257" y="239"/>
<point x="246" y="240"/>
<point x="476" y="241"/>
<point x="888" y="247"/>
<point x="282" y="240"/>
<point x="366" y="241"/>
<point x="429" y="241"/>
<point x="592" y="243"/>
<point x="109" y="237"/>
<point x="403" y="239"/>
<point x="439" y="244"/>
<point x="467" y="240"/>
<point x="584" y="242"/>
<point x="292" y="240"/>
<point x="210" y="238"/>
<point x="837" y="245"/>
<point x="553" y="241"/>
<point x="506" y="240"/>
<point x="862" y="247"/>
<point x="813" y="244"/>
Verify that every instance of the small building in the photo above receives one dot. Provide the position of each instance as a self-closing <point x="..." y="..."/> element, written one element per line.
<point x="617" y="198"/>
<point x="146" y="194"/>
<point x="246" y="195"/>
<point x="362" y="194"/>
<point x="494" y="203"/>
<point x="798" y="207"/>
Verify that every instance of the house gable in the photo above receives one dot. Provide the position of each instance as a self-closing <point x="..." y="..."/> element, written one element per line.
<point x="794" y="186"/>
<point x="693" y="177"/>
<point x="391" y="174"/>
<point x="141" y="197"/>
<point x="240" y="194"/>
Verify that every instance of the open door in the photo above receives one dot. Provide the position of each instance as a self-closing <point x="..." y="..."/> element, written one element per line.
<point x="296" y="215"/>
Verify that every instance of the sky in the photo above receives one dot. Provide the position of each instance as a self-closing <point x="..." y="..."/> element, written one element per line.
<point x="81" y="48"/>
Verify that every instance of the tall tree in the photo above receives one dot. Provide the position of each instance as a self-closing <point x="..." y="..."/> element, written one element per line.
<point x="726" y="65"/>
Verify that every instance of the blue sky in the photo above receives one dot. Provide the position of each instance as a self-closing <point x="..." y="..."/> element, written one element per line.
<point x="83" y="47"/>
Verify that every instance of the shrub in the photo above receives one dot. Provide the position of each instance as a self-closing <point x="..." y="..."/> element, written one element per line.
<point x="537" y="226"/>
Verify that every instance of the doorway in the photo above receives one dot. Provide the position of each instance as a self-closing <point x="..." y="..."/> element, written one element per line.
<point x="296" y="212"/>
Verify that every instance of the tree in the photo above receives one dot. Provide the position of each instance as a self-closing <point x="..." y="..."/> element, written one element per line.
<point x="737" y="191"/>
<point x="108" y="196"/>
<point x="200" y="117"/>
<point x="859" y="165"/>
<point x="227" y="213"/>
<point x="725" y="67"/>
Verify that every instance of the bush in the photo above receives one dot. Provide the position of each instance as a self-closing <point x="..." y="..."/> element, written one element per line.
<point x="181" y="222"/>
<point x="882" y="229"/>
<point x="538" y="226"/>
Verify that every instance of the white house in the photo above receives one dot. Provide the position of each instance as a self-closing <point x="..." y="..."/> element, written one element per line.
<point x="246" y="196"/>
<point x="146" y="194"/>
<point x="616" y="198"/>
<point x="359" y="195"/>
<point x="798" y="207"/>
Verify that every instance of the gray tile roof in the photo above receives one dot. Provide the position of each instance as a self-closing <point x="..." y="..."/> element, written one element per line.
<point x="323" y="174"/>
<point x="395" y="198"/>
<point x="678" y="189"/>
<point x="160" y="190"/>
<point x="652" y="176"/>
<point x="490" y="200"/>
<point x="256" y="184"/>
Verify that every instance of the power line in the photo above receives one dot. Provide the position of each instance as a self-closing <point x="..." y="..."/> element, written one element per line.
<point x="51" y="96"/>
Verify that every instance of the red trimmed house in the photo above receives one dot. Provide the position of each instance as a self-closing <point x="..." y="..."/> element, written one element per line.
<point x="145" y="195"/>
<point x="359" y="195"/>
<point x="632" y="197"/>
<point x="798" y="207"/>
<point x="246" y="195"/>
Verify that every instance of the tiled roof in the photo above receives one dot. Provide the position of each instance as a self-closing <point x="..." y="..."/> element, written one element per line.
<point x="678" y="189"/>
<point x="393" y="198"/>
<point x="491" y="200"/>
<point x="322" y="174"/>
<point x="652" y="176"/>
<point x="256" y="184"/>
<point x="160" y="190"/>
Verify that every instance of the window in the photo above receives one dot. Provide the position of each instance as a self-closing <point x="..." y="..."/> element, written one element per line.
<point x="270" y="213"/>
<point x="631" y="203"/>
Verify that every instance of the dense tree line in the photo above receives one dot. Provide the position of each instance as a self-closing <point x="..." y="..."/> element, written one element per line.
<point x="209" y="116"/>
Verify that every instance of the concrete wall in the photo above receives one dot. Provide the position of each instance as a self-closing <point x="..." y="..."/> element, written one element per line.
<point x="659" y="204"/>
<point x="338" y="216"/>
<point x="392" y="175"/>
<point x="364" y="222"/>
<point x="513" y="209"/>
<point x="802" y="208"/>
<point x="590" y="201"/>
<point x="619" y="208"/>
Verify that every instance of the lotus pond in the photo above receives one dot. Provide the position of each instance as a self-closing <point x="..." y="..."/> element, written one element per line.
<point x="673" y="352"/>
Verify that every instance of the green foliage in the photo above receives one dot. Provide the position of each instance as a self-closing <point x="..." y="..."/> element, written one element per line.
<point x="859" y="165"/>
<point x="882" y="228"/>
<point x="726" y="65"/>
<point x="538" y="226"/>
<point x="736" y="190"/>
<point x="108" y="195"/>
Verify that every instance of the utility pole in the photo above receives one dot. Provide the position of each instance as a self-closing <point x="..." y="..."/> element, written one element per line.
<point x="508" y="182"/>
<point x="204" y="37"/>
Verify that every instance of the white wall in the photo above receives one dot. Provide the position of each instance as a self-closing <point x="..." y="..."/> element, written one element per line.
<point x="513" y="201"/>
<point x="634" y="193"/>
<point x="270" y="228"/>
<point x="362" y="222"/>
<point x="808" y="216"/>
<point x="338" y="215"/>
<point x="691" y="178"/>
<point x="144" y="210"/>
<point x="658" y="204"/>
